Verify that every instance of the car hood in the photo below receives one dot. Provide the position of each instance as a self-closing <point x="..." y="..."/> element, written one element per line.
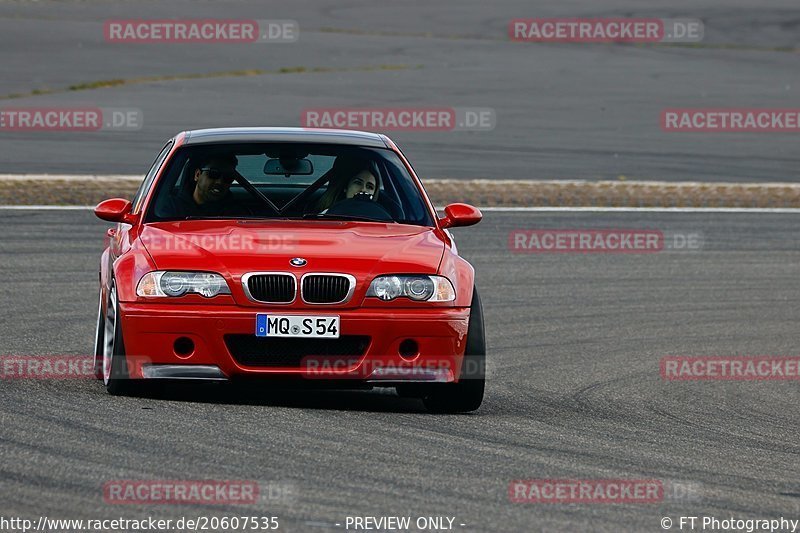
<point x="236" y="247"/>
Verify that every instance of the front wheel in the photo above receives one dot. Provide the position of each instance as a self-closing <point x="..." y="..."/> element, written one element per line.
<point x="467" y="394"/>
<point x="99" y="339"/>
<point x="115" y="368"/>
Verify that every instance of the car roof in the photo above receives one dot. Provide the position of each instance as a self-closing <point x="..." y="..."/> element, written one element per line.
<point x="305" y="135"/>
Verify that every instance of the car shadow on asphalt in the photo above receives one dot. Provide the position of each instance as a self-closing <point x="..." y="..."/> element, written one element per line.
<point x="284" y="395"/>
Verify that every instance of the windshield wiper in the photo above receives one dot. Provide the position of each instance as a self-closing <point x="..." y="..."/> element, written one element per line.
<point x="342" y="217"/>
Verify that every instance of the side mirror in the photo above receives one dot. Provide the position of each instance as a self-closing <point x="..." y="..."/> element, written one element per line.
<point x="457" y="215"/>
<point x="115" y="210"/>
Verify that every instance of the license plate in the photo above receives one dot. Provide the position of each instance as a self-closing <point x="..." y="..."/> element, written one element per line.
<point x="297" y="326"/>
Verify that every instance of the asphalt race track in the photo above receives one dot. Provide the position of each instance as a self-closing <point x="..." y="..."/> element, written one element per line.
<point x="574" y="391"/>
<point x="575" y="341"/>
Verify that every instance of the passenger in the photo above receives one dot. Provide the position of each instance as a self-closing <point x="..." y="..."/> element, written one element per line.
<point x="350" y="177"/>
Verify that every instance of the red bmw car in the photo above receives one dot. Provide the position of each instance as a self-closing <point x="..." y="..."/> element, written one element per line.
<point x="289" y="253"/>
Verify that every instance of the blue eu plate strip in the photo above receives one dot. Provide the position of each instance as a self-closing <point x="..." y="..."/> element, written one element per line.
<point x="261" y="326"/>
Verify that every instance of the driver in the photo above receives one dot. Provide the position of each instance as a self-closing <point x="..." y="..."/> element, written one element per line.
<point x="211" y="195"/>
<point x="350" y="178"/>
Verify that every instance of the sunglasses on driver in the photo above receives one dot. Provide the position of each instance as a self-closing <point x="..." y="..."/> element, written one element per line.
<point x="217" y="174"/>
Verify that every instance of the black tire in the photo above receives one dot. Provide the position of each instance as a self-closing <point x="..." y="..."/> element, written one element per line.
<point x="98" y="340"/>
<point x="118" y="382"/>
<point x="467" y="394"/>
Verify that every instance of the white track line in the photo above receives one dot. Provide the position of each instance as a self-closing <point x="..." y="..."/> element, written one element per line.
<point x="644" y="209"/>
<point x="72" y="177"/>
<point x="753" y="210"/>
<point x="46" y="207"/>
<point x="445" y="181"/>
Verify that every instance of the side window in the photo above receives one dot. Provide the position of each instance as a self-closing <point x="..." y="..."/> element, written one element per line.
<point x="148" y="180"/>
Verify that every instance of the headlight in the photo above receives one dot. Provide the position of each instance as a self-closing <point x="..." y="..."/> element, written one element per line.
<point x="419" y="288"/>
<point x="162" y="284"/>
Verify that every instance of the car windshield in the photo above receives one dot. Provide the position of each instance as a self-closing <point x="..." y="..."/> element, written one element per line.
<point x="287" y="180"/>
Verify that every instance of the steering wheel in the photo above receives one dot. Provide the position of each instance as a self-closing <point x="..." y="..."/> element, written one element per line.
<point x="361" y="205"/>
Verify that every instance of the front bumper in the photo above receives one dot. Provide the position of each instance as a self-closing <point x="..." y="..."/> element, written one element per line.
<point x="150" y="332"/>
